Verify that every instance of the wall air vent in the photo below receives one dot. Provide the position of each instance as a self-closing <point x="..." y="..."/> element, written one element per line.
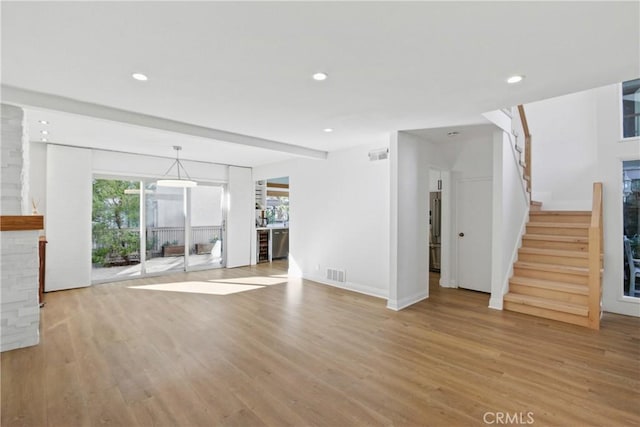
<point x="335" y="275"/>
<point x="380" y="154"/>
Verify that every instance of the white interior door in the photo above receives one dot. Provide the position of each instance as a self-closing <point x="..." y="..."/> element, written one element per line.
<point x="473" y="221"/>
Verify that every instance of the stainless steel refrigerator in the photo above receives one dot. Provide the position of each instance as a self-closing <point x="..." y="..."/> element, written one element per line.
<point x="435" y="203"/>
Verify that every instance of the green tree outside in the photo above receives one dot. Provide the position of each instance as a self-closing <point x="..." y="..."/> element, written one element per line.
<point x="115" y="220"/>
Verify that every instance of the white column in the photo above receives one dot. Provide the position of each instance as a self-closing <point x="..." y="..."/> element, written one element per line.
<point x="68" y="217"/>
<point x="240" y="216"/>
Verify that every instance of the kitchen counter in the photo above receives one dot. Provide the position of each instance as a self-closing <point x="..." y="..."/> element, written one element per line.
<point x="272" y="242"/>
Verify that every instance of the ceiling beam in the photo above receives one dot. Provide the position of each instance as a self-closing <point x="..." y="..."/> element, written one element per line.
<point x="29" y="98"/>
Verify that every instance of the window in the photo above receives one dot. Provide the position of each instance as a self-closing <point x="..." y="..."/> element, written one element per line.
<point x="631" y="108"/>
<point x="631" y="226"/>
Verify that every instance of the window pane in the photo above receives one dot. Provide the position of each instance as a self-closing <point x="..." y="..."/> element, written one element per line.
<point x="164" y="228"/>
<point x="631" y="108"/>
<point x="115" y="229"/>
<point x="206" y="226"/>
<point x="631" y="226"/>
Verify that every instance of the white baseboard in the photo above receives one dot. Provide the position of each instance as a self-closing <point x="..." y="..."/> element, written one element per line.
<point x="350" y="286"/>
<point x="448" y="284"/>
<point x="496" y="303"/>
<point x="398" y="305"/>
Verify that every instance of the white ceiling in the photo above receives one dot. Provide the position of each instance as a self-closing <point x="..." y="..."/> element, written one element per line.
<point x="70" y="129"/>
<point x="465" y="133"/>
<point x="246" y="67"/>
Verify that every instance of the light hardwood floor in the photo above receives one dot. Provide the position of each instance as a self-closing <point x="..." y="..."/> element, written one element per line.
<point x="299" y="353"/>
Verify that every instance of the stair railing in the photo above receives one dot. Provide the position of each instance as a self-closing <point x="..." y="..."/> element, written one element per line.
<point x="595" y="256"/>
<point x="527" y="147"/>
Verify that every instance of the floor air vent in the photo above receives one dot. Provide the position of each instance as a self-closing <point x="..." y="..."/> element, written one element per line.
<point x="336" y="275"/>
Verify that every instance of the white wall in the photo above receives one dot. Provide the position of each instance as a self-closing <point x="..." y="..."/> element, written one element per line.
<point x="38" y="176"/>
<point x="409" y="275"/>
<point x="240" y="219"/>
<point x="206" y="205"/>
<point x="68" y="218"/>
<point x="510" y="214"/>
<point x="61" y="179"/>
<point x="139" y="166"/>
<point x="589" y="149"/>
<point x="339" y="216"/>
<point x="467" y="157"/>
<point x="564" y="150"/>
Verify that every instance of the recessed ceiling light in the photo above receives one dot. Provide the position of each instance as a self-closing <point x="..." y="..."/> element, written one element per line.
<point x="44" y="132"/>
<point x="453" y="133"/>
<point x="320" y="76"/>
<point x="140" y="77"/>
<point x="515" y="79"/>
<point x="44" y="139"/>
<point x="327" y="130"/>
<point x="43" y="122"/>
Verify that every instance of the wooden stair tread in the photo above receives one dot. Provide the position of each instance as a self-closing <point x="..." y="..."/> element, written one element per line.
<point x="585" y="213"/>
<point x="561" y="213"/>
<point x="562" y="306"/>
<point x="558" y="224"/>
<point x="556" y="268"/>
<point x="551" y="285"/>
<point x="554" y="252"/>
<point x="553" y="238"/>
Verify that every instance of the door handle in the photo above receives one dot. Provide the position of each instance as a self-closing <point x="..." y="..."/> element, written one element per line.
<point x="461" y="234"/>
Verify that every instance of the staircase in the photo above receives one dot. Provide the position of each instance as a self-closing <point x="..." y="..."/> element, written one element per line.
<point x="558" y="272"/>
<point x="559" y="268"/>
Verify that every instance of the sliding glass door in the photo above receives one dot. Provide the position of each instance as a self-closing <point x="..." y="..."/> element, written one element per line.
<point x="169" y="223"/>
<point x="206" y="221"/>
<point x="164" y="228"/>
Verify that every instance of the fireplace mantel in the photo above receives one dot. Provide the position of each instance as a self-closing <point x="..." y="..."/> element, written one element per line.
<point x="21" y="222"/>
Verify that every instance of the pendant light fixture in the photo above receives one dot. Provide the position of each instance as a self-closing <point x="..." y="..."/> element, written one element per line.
<point x="180" y="181"/>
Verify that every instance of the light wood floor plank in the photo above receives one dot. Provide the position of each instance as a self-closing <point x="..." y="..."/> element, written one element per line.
<point x="297" y="353"/>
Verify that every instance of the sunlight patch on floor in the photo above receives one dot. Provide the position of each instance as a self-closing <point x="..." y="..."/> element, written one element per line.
<point x="254" y="280"/>
<point x="210" y="288"/>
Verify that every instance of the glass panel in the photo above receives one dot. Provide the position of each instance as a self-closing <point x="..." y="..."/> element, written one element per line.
<point x="115" y="223"/>
<point x="631" y="108"/>
<point x="277" y="211"/>
<point x="207" y="218"/>
<point x="631" y="226"/>
<point x="165" y="219"/>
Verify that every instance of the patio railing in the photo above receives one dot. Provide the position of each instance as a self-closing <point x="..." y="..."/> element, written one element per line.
<point x="158" y="236"/>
